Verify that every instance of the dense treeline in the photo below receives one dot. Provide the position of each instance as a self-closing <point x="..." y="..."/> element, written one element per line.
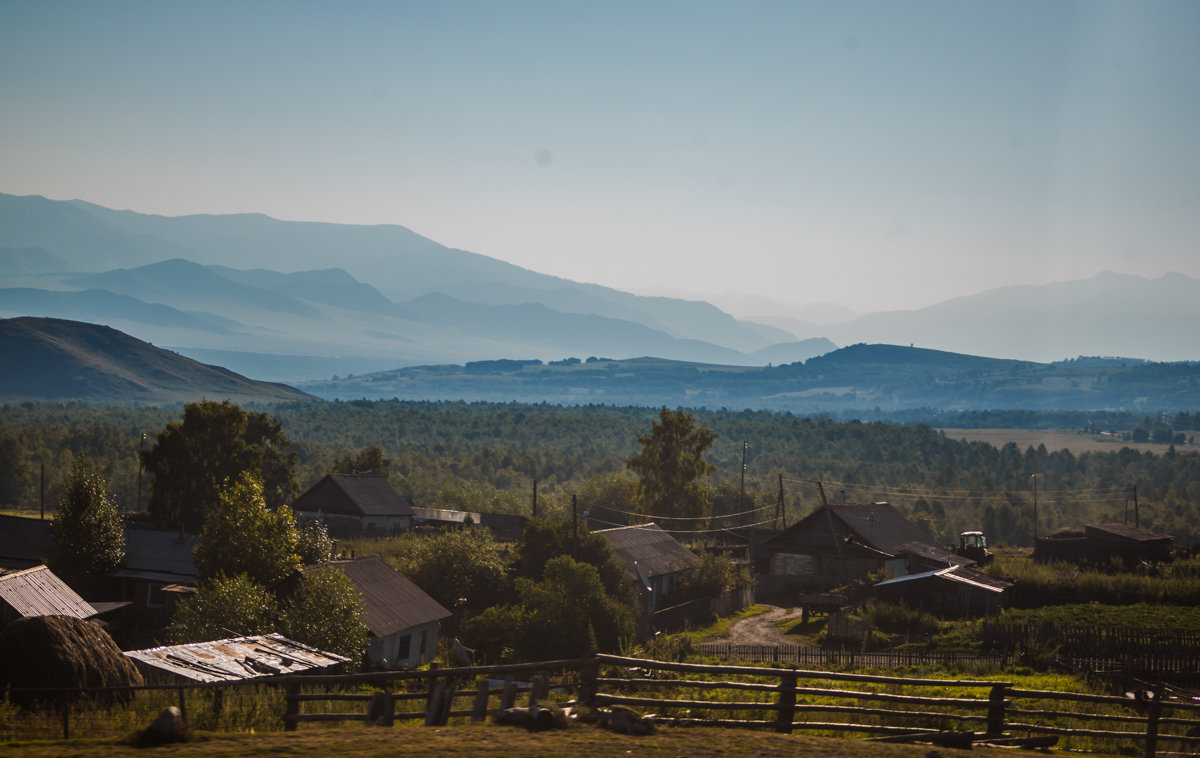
<point x="485" y="456"/>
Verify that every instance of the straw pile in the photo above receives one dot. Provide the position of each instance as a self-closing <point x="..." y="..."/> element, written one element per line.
<point x="62" y="651"/>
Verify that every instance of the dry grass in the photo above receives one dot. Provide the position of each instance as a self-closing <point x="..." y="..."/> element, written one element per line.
<point x="1062" y="439"/>
<point x="460" y="742"/>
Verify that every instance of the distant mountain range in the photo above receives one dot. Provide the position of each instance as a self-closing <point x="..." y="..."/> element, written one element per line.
<point x="53" y="359"/>
<point x="293" y="301"/>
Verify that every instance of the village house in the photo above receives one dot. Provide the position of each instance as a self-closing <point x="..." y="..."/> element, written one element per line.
<point x="505" y="527"/>
<point x="653" y="560"/>
<point x="353" y="505"/>
<point x="837" y="544"/>
<point x="402" y="620"/>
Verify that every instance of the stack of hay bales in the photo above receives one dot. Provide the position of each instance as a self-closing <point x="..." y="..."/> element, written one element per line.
<point x="63" y="651"/>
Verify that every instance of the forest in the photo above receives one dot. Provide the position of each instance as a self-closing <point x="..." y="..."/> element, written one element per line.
<point x="487" y="456"/>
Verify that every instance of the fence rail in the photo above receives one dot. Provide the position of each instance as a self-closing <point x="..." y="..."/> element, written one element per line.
<point x="815" y="656"/>
<point x="785" y="699"/>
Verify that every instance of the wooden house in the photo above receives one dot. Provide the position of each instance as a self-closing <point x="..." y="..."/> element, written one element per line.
<point x="402" y="620"/>
<point x="1103" y="544"/>
<point x="653" y="560"/>
<point x="354" y="505"/>
<point x="836" y="544"/>
<point x="954" y="591"/>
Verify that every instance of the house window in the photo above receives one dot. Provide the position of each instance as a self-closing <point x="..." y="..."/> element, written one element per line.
<point x="404" y="648"/>
<point x="424" y="639"/>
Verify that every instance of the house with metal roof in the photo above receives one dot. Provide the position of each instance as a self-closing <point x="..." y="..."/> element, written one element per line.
<point x="506" y="527"/>
<point x="37" y="591"/>
<point x="402" y="620"/>
<point x="356" y="504"/>
<point x="653" y="560"/>
<point x="232" y="660"/>
<point x="836" y="544"/>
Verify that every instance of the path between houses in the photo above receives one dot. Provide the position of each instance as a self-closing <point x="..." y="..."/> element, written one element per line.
<point x="762" y="629"/>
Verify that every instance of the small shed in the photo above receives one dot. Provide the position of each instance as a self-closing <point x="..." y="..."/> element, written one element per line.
<point x="403" y="621"/>
<point x="154" y="560"/>
<point x="954" y="591"/>
<point x="1104" y="543"/>
<point x="506" y="527"/>
<point x="653" y="561"/>
<point x="231" y="660"/>
<point x="37" y="591"/>
<point x="354" y="505"/>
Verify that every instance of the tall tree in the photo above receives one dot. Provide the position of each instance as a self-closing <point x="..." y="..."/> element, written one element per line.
<point x="215" y="442"/>
<point x="87" y="537"/>
<point x="369" y="460"/>
<point x="671" y="466"/>
<point x="461" y="568"/>
<point x="243" y="536"/>
<point x="325" y="611"/>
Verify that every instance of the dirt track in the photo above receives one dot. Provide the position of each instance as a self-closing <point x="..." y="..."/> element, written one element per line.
<point x="762" y="629"/>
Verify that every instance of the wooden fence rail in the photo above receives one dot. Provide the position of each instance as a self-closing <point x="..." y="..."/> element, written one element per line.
<point x="785" y="699"/>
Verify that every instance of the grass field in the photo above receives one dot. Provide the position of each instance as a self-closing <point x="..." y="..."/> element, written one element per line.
<point x="1061" y="439"/>
<point x="460" y="742"/>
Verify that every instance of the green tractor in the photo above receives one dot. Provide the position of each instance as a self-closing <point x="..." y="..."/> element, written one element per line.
<point x="973" y="545"/>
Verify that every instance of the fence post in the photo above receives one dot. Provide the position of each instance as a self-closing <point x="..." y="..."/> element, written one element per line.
<point x="509" y="696"/>
<point x="588" y="686"/>
<point x="434" y="709"/>
<point x="291" y="708"/>
<point x="996" y="707"/>
<point x="787" y="702"/>
<point x="66" y="716"/>
<point x="479" y="709"/>
<point x="183" y="704"/>
<point x="540" y="689"/>
<point x="1153" y="711"/>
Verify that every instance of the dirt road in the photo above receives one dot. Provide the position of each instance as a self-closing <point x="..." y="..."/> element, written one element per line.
<point x="762" y="629"/>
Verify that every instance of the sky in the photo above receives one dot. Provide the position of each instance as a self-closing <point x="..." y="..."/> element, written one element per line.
<point x="874" y="155"/>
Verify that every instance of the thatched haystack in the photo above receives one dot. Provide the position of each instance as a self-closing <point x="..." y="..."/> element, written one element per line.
<point x="62" y="651"/>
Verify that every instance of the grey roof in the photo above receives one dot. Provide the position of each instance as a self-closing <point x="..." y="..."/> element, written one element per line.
<point x="354" y="495"/>
<point x="651" y="548"/>
<point x="834" y="528"/>
<point x="391" y="602"/>
<point x="159" y="556"/>
<point x="234" y="659"/>
<point x="23" y="541"/>
<point x="38" y="591"/>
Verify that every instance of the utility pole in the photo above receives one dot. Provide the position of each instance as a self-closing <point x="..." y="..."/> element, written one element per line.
<point x="43" y="490"/>
<point x="141" y="449"/>
<point x="1135" y="508"/>
<point x="780" y="519"/>
<point x="535" y="498"/>
<point x="742" y="489"/>
<point x="575" y="526"/>
<point x="1035" y="477"/>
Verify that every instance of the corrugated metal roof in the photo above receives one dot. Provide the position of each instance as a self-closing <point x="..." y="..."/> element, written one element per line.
<point x="392" y="603"/>
<point x="650" y="547"/>
<point x="960" y="574"/>
<point x="234" y="659"/>
<point x="354" y="495"/>
<point x="38" y="591"/>
<point x="1125" y="531"/>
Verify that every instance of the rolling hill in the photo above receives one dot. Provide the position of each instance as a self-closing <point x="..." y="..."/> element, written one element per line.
<point x="53" y="359"/>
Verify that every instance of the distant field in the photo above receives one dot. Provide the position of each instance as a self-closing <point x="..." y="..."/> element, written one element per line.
<point x="1063" y="439"/>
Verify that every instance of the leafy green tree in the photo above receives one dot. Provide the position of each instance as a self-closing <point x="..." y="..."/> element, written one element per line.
<point x="243" y="536"/>
<point x="369" y="460"/>
<point x="325" y="611"/>
<point x="670" y="467"/>
<point x="313" y="543"/>
<point x="460" y="568"/>
<point x="224" y="606"/>
<point x="713" y="576"/>
<point x="214" y="443"/>
<point x="16" y="475"/>
<point x="87" y="539"/>
<point x="543" y="541"/>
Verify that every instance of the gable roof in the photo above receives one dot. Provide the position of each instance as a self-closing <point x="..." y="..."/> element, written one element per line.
<point x="235" y="659"/>
<point x="1124" y="532"/>
<point x="38" y="591"/>
<point x="391" y="602"/>
<point x="354" y="495"/>
<point x="966" y="575"/>
<point x="651" y="548"/>
<point x="831" y="528"/>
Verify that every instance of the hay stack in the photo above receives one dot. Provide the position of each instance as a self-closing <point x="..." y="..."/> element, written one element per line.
<point x="62" y="651"/>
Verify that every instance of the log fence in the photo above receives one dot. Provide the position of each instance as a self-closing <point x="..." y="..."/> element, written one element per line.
<point x="950" y="712"/>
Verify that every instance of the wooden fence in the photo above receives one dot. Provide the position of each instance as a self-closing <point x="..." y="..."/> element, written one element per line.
<point x="790" y="699"/>
<point x="815" y="656"/>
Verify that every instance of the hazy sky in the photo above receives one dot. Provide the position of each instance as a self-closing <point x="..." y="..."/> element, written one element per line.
<point x="875" y="154"/>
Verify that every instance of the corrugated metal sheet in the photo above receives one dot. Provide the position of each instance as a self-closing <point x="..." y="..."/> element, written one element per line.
<point x="233" y="659"/>
<point x="651" y="548"/>
<point x="38" y="591"/>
